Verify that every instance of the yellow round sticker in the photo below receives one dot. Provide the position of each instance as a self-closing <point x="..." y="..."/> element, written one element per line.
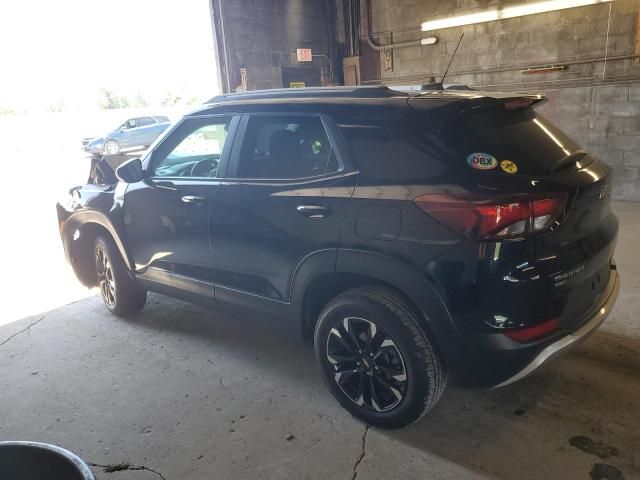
<point x="508" y="166"/>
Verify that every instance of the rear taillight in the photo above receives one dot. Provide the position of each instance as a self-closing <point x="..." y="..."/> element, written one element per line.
<point x="496" y="217"/>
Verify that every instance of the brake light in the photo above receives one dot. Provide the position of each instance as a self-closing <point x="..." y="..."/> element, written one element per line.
<point x="496" y="217"/>
<point x="532" y="333"/>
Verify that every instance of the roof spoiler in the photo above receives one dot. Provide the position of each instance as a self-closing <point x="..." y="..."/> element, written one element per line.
<point x="373" y="91"/>
<point x="512" y="100"/>
<point x="460" y="102"/>
<point x="440" y="87"/>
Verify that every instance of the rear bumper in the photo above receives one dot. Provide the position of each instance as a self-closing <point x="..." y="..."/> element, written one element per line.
<point x="491" y="360"/>
<point x="572" y="338"/>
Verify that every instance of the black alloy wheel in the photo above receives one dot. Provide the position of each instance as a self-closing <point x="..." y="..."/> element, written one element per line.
<point x="106" y="280"/>
<point x="377" y="357"/>
<point x="368" y="366"/>
<point x="119" y="289"/>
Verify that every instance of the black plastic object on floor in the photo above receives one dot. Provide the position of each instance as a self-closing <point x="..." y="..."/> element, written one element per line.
<point x="40" y="461"/>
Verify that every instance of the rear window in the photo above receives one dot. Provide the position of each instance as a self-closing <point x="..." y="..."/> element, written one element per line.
<point x="521" y="136"/>
<point x="387" y="156"/>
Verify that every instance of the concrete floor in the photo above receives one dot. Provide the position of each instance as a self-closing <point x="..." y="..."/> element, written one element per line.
<point x="186" y="393"/>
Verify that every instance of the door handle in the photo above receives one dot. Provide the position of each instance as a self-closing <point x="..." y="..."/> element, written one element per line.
<point x="165" y="184"/>
<point x="313" y="211"/>
<point x="192" y="199"/>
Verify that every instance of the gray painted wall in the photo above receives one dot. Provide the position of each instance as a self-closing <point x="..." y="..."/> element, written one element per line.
<point x="603" y="115"/>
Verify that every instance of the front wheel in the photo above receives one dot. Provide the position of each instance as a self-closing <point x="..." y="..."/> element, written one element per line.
<point x="120" y="292"/>
<point x="111" y="148"/>
<point x="376" y="358"/>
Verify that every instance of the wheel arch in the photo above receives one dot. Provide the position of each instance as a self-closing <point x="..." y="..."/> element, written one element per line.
<point x="359" y="268"/>
<point x="78" y="235"/>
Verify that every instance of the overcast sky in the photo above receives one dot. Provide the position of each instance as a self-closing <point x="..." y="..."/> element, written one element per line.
<point x="65" y="50"/>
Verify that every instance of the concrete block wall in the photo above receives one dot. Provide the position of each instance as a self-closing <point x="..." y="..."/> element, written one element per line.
<point x="598" y="107"/>
<point x="604" y="120"/>
<point x="260" y="36"/>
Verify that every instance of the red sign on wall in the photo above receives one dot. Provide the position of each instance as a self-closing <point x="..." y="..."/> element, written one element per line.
<point x="304" y="55"/>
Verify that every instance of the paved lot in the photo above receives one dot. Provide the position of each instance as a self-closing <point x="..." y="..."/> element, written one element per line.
<point x="191" y="393"/>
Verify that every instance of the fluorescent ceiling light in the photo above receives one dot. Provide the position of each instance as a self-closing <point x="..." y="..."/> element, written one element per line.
<point x="507" y="12"/>
<point x="429" y="41"/>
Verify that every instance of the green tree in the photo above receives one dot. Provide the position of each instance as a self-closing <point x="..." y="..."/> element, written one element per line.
<point x="194" y="101"/>
<point x="141" y="100"/>
<point x="110" y="99"/>
<point x="171" y="99"/>
<point x="6" y="110"/>
<point x="56" y="107"/>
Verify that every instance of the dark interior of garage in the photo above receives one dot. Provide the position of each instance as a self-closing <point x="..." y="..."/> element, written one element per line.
<point x="584" y="59"/>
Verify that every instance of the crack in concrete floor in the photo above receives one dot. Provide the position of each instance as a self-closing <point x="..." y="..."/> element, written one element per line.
<point x="120" y="467"/>
<point x="26" y="329"/>
<point x="363" y="453"/>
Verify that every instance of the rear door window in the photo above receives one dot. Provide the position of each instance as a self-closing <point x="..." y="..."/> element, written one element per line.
<point x="144" y="121"/>
<point x="519" y="135"/>
<point x="285" y="147"/>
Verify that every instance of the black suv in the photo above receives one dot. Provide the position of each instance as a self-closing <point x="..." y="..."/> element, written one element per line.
<point x="413" y="237"/>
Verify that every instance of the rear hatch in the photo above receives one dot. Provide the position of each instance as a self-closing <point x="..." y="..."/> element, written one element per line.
<point x="502" y="145"/>
<point x="577" y="256"/>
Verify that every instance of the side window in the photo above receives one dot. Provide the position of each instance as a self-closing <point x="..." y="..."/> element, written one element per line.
<point x="193" y="150"/>
<point x="285" y="147"/>
<point x="384" y="155"/>
<point x="144" y="121"/>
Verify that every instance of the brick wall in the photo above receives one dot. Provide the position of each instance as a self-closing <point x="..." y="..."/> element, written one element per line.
<point x="603" y="115"/>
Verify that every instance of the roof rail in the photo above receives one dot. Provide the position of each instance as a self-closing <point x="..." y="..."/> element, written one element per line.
<point x="377" y="91"/>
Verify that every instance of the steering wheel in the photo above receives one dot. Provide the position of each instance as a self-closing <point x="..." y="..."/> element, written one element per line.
<point x="203" y="168"/>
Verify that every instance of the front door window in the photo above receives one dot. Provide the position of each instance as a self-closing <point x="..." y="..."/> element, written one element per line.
<point x="196" y="153"/>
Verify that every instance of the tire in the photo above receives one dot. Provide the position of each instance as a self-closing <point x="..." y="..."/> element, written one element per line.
<point x="120" y="292"/>
<point x="111" y="148"/>
<point x="404" y="358"/>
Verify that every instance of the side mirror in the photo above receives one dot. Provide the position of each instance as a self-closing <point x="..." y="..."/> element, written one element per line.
<point x="130" y="171"/>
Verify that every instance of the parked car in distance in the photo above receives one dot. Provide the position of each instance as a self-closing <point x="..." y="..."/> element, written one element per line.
<point x="415" y="238"/>
<point x="134" y="134"/>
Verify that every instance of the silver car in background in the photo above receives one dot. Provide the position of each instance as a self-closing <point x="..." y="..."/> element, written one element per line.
<point x="134" y="134"/>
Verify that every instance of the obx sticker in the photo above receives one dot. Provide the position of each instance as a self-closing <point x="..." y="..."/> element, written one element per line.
<point x="482" y="161"/>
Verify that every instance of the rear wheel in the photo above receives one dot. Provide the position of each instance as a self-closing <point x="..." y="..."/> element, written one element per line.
<point x="120" y="292"/>
<point x="376" y="358"/>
